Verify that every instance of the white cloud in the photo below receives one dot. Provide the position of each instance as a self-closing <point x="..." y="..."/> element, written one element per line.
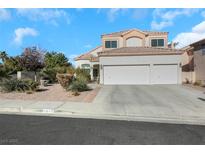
<point x="170" y="15"/>
<point x="186" y="38"/>
<point x="88" y="46"/>
<point x="20" y="33"/>
<point x="140" y="13"/>
<point x="163" y="18"/>
<point x="203" y="14"/>
<point x="160" y="25"/>
<point x="46" y="15"/>
<point x="4" y="14"/>
<point x="112" y="14"/>
<point x="200" y="28"/>
<point x="72" y="57"/>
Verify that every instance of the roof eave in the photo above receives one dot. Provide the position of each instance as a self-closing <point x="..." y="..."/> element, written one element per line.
<point x="141" y="54"/>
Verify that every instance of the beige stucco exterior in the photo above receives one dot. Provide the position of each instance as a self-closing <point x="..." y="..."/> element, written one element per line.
<point x="150" y="37"/>
<point x="108" y="38"/>
<point x="149" y="60"/>
<point x="199" y="63"/>
<point x="137" y="34"/>
<point x="127" y="38"/>
<point x="193" y="62"/>
<point x="185" y="58"/>
<point x="188" y="75"/>
<point x="145" y="37"/>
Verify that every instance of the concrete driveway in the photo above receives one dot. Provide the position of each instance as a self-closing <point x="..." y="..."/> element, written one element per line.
<point x="157" y="103"/>
<point x="153" y="101"/>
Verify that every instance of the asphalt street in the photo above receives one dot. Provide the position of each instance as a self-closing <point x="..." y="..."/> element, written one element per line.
<point x="17" y="129"/>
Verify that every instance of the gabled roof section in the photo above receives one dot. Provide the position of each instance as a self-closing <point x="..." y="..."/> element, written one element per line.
<point x="135" y="51"/>
<point x="187" y="48"/>
<point x="87" y="56"/>
<point x="200" y="42"/>
<point x="124" y="32"/>
<point x="194" y="45"/>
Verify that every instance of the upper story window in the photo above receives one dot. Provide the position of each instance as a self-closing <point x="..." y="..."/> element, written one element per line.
<point x="110" y="44"/>
<point x="157" y="42"/>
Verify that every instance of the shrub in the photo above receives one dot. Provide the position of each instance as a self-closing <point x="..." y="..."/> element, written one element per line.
<point x="187" y="81"/>
<point x="82" y="74"/>
<point x="70" y="70"/>
<point x="82" y="78"/>
<point x="51" y="73"/>
<point x="64" y="79"/>
<point x="48" y="74"/>
<point x="198" y="83"/>
<point x="3" y="73"/>
<point x="18" y="85"/>
<point x="78" y="86"/>
<point x="33" y="86"/>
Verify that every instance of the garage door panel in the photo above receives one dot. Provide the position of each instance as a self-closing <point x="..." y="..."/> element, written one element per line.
<point x="126" y="75"/>
<point x="164" y="74"/>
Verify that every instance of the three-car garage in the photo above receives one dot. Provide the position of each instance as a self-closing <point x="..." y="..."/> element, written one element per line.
<point x="141" y="74"/>
<point x="135" y="69"/>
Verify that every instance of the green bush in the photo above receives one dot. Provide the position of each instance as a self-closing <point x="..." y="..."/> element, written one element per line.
<point x="82" y="75"/>
<point x="198" y="83"/>
<point x="48" y="74"/>
<point x="78" y="86"/>
<point x="3" y="73"/>
<point x="18" y="85"/>
<point x="83" y="78"/>
<point x="33" y="86"/>
<point x="51" y="73"/>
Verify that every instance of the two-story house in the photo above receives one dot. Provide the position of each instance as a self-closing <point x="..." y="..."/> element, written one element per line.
<point x="133" y="57"/>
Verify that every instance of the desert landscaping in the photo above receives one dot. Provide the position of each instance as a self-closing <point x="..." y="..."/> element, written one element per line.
<point x="54" y="93"/>
<point x="44" y="76"/>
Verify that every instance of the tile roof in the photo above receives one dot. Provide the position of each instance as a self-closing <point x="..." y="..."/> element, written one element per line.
<point x="194" y="44"/>
<point x="86" y="56"/>
<point x="129" y="30"/>
<point x="198" y="42"/>
<point x="132" y="51"/>
<point x="94" y="59"/>
<point x="155" y="32"/>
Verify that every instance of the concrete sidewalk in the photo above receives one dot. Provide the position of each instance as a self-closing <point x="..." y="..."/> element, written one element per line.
<point x="88" y="110"/>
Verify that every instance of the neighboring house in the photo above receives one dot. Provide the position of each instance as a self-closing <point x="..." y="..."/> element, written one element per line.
<point x="193" y="64"/>
<point x="133" y="57"/>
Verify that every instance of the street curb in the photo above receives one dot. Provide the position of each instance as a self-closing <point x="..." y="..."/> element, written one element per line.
<point x="58" y="113"/>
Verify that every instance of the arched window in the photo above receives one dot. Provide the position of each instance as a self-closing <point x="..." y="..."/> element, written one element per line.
<point x="134" y="42"/>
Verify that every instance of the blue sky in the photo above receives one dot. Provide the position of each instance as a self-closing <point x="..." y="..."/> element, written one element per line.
<point x="74" y="31"/>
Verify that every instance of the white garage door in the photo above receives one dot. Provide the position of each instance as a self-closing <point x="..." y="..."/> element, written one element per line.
<point x="141" y="74"/>
<point x="126" y="75"/>
<point x="164" y="74"/>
